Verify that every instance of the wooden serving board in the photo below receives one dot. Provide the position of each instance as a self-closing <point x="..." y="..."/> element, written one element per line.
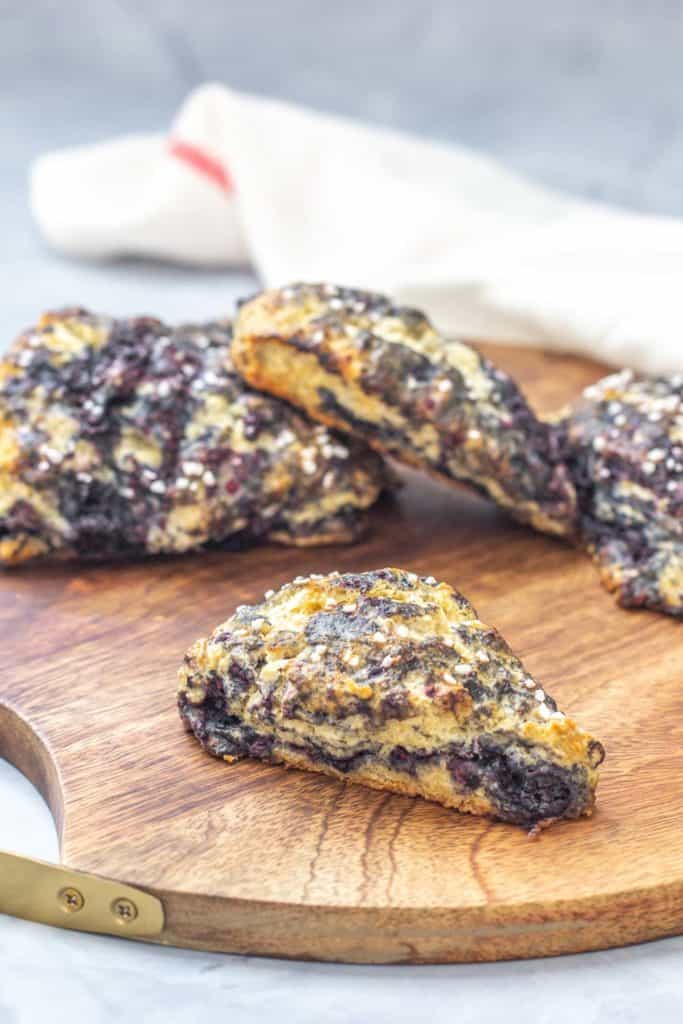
<point x="257" y="859"/>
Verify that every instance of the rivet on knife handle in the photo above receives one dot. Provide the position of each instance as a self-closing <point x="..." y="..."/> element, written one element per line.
<point x="51" y="894"/>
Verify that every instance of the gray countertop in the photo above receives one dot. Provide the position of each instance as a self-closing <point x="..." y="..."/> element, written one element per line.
<point x="585" y="97"/>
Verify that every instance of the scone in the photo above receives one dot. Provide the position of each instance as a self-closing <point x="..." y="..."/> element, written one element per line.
<point x="626" y="440"/>
<point x="390" y="680"/>
<point x="126" y="437"/>
<point x="382" y="373"/>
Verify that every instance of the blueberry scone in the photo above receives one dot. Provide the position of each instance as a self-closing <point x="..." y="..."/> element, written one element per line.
<point x="390" y="680"/>
<point x="381" y="372"/>
<point x="122" y="437"/>
<point x="626" y="439"/>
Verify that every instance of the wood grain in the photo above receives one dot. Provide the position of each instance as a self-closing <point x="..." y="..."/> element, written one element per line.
<point x="257" y="859"/>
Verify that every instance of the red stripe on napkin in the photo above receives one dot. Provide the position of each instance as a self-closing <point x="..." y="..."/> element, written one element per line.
<point x="201" y="162"/>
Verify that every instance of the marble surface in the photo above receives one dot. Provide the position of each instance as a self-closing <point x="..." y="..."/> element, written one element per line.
<point x="583" y="96"/>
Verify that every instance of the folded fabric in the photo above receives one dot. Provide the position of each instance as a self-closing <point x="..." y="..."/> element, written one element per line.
<point x="309" y="196"/>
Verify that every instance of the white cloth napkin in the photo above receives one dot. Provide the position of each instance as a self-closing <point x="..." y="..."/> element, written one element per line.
<point x="307" y="196"/>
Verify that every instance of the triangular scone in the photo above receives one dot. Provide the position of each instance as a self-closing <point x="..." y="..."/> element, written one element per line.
<point x="390" y="680"/>
<point x="128" y="437"/>
<point x="381" y="372"/>
<point x="625" y="439"/>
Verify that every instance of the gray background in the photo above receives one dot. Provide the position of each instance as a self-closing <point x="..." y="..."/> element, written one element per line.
<point x="585" y="96"/>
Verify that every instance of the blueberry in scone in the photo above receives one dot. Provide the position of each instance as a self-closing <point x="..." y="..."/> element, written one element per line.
<point x="390" y="680"/>
<point x="625" y="437"/>
<point x="382" y="373"/>
<point x="125" y="437"/>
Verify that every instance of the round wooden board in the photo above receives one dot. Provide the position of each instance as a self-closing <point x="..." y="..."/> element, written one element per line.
<point x="257" y="859"/>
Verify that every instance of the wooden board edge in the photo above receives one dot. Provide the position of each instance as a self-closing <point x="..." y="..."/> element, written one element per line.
<point x="21" y="745"/>
<point x="430" y="936"/>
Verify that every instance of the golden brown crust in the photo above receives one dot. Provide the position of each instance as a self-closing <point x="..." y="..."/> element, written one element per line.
<point x="126" y="437"/>
<point x="625" y="439"/>
<point x="384" y="779"/>
<point x="355" y="362"/>
<point x="389" y="680"/>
